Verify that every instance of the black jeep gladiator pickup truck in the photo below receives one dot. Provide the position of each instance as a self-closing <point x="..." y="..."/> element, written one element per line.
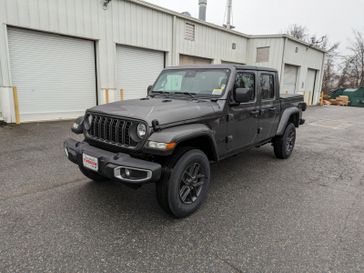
<point x="192" y="116"/>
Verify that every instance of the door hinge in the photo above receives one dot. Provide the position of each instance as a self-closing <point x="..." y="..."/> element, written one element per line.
<point x="229" y="139"/>
<point x="229" y="117"/>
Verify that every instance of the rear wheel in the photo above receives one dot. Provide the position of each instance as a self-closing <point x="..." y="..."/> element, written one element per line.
<point x="92" y="175"/>
<point x="284" y="145"/>
<point x="183" y="191"/>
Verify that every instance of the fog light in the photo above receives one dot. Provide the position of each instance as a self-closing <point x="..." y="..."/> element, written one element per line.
<point x="127" y="172"/>
<point x="131" y="174"/>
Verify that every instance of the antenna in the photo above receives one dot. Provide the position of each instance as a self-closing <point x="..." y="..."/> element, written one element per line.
<point x="229" y="15"/>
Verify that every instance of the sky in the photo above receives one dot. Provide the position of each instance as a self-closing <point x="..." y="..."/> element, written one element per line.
<point x="333" y="18"/>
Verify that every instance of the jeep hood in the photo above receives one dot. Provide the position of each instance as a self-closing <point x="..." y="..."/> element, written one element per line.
<point x="165" y="110"/>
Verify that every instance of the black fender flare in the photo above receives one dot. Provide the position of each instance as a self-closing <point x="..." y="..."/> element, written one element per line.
<point x="180" y="134"/>
<point x="287" y="113"/>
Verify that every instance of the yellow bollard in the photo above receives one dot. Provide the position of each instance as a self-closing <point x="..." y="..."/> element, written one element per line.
<point x="16" y="105"/>
<point x="106" y="95"/>
<point x="121" y="94"/>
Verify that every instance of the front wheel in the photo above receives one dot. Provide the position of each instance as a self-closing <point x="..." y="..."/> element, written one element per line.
<point x="284" y="144"/>
<point x="183" y="191"/>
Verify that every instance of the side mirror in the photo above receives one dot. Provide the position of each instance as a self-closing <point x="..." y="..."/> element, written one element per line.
<point x="243" y="94"/>
<point x="149" y="88"/>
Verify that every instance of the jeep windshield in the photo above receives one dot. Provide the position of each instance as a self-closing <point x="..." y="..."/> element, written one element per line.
<point x="192" y="82"/>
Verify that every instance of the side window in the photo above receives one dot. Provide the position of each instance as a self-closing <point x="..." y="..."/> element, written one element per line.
<point x="267" y="86"/>
<point x="246" y="80"/>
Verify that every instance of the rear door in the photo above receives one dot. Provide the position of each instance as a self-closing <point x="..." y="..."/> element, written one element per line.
<point x="243" y="117"/>
<point x="269" y="105"/>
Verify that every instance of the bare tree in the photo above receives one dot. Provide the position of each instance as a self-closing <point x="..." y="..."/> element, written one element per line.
<point x="352" y="72"/>
<point x="357" y="50"/>
<point x="330" y="76"/>
<point x="298" y="32"/>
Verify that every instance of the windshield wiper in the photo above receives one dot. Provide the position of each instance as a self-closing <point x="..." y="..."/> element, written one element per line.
<point x="192" y="95"/>
<point x="153" y="93"/>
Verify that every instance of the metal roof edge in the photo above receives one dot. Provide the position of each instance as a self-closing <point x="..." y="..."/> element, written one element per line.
<point x="185" y="17"/>
<point x="237" y="33"/>
<point x="270" y="36"/>
<point x="238" y="66"/>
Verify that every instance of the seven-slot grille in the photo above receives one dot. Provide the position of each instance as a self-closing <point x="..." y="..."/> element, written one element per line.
<point x="111" y="130"/>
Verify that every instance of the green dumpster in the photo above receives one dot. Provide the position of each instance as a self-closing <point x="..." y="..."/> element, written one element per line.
<point x="356" y="96"/>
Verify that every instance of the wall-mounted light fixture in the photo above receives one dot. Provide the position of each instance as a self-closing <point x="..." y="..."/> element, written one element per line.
<point x="233" y="46"/>
<point x="106" y="3"/>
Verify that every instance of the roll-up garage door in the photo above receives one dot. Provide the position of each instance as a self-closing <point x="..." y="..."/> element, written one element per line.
<point x="186" y="59"/>
<point x="137" y="69"/>
<point x="311" y="81"/>
<point x="55" y="75"/>
<point x="290" y="79"/>
<point x="226" y="62"/>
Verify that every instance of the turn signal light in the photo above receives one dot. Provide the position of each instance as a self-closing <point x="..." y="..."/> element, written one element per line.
<point x="162" y="146"/>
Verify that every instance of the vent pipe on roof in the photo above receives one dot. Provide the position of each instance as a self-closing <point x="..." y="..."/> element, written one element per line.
<point x="202" y="9"/>
<point x="229" y="14"/>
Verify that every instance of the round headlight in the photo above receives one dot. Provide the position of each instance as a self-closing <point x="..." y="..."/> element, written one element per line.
<point x="90" y="118"/>
<point x="141" y="130"/>
<point x="88" y="122"/>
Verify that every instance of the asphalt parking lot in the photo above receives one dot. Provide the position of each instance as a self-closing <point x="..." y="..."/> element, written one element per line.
<point x="305" y="214"/>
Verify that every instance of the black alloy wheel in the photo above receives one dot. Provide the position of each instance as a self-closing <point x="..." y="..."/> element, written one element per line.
<point x="183" y="189"/>
<point x="191" y="183"/>
<point x="284" y="144"/>
<point x="291" y="139"/>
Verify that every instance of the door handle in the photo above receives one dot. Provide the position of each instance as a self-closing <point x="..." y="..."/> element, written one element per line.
<point x="272" y="109"/>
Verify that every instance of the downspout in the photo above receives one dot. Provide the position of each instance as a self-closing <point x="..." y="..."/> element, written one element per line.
<point x="321" y="76"/>
<point x="282" y="65"/>
<point x="174" y="41"/>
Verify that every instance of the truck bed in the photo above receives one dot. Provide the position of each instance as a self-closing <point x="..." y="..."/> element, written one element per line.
<point x="291" y="98"/>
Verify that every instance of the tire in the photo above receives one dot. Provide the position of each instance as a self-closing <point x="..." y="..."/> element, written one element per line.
<point x="182" y="191"/>
<point x="92" y="175"/>
<point x="284" y="145"/>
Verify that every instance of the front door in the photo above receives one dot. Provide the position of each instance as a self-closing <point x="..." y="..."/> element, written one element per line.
<point x="243" y="117"/>
<point x="269" y="105"/>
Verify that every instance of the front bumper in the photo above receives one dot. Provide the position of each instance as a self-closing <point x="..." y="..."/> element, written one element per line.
<point x="111" y="164"/>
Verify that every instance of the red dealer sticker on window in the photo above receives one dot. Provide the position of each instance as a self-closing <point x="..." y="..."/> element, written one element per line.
<point x="90" y="162"/>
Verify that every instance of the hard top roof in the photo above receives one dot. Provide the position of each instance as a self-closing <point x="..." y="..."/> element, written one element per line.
<point x="228" y="66"/>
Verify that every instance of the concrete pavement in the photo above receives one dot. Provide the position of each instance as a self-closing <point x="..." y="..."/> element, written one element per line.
<point x="305" y="214"/>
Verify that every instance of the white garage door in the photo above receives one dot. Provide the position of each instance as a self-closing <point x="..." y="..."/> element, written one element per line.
<point x="186" y="59"/>
<point x="310" y="84"/>
<point x="290" y="79"/>
<point x="137" y="69"/>
<point x="226" y="62"/>
<point x="310" y="81"/>
<point x="55" y="75"/>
